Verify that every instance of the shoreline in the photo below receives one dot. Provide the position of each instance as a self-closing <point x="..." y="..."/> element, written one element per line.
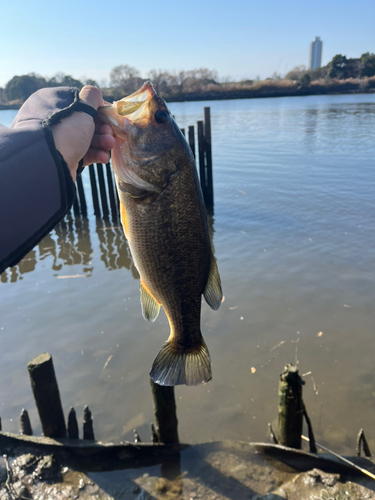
<point x="270" y="90"/>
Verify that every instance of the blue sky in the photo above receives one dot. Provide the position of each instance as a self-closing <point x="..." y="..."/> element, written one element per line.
<point x="240" y="39"/>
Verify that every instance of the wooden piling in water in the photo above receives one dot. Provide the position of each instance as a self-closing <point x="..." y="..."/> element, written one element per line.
<point x="103" y="194"/>
<point x="72" y="424"/>
<point x="291" y="408"/>
<point x="165" y="413"/>
<point x="88" y="425"/>
<point x="208" y="158"/>
<point x="25" y="425"/>
<point x="154" y="437"/>
<point x="137" y="437"/>
<point x="191" y="138"/>
<point x="94" y="191"/>
<point x="182" y="131"/>
<point x="76" y="210"/>
<point x="81" y="194"/>
<point x="111" y="192"/>
<point x="47" y="396"/>
<point x="202" y="168"/>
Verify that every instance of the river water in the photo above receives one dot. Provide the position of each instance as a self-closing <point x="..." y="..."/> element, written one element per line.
<point x="294" y="235"/>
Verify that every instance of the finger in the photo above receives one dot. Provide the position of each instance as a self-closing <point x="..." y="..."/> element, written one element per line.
<point x="101" y="128"/>
<point x="103" y="141"/>
<point x="91" y="96"/>
<point x="95" y="155"/>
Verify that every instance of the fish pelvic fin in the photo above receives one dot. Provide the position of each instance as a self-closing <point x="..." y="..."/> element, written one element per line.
<point x="150" y="306"/>
<point x="172" y="367"/>
<point x="213" y="293"/>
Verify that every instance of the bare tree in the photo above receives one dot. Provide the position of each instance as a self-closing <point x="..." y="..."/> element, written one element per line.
<point x="160" y="80"/>
<point x="125" y="77"/>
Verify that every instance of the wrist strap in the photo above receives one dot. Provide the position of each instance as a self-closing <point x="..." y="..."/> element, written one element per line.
<point x="85" y="108"/>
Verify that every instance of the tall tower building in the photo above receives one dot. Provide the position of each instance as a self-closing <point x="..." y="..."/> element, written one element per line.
<point x="316" y="49"/>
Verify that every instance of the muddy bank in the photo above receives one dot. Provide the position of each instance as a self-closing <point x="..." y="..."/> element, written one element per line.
<point x="209" y="471"/>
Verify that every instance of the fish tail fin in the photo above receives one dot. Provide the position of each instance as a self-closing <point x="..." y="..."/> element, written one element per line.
<point x="173" y="367"/>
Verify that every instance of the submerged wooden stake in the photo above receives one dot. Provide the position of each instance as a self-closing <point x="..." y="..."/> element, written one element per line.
<point x="165" y="413"/>
<point x="361" y="440"/>
<point x="291" y="408"/>
<point x="47" y="396"/>
<point x="72" y="424"/>
<point x="88" y="428"/>
<point x="137" y="437"/>
<point x="25" y="423"/>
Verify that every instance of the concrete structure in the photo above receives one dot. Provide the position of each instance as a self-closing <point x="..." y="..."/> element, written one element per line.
<point x="316" y="49"/>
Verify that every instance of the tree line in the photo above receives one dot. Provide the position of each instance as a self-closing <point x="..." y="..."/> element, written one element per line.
<point x="339" y="68"/>
<point x="124" y="80"/>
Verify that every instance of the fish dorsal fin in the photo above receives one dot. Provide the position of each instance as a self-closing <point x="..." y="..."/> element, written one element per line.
<point x="213" y="293"/>
<point x="150" y="306"/>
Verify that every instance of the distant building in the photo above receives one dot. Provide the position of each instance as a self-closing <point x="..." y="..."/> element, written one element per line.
<point x="316" y="49"/>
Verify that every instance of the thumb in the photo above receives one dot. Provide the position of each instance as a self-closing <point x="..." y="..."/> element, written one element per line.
<point x="92" y="96"/>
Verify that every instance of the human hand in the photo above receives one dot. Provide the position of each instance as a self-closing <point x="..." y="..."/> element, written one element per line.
<point x="79" y="137"/>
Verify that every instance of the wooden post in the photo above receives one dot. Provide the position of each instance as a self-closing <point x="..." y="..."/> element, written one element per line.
<point x="137" y="437"/>
<point x="25" y="424"/>
<point x="76" y="210"/>
<point x="82" y="199"/>
<point x="88" y="428"/>
<point x="192" y="139"/>
<point x="103" y="194"/>
<point x="72" y="424"/>
<point x="111" y="191"/>
<point x="94" y="191"/>
<point x="202" y="168"/>
<point x="47" y="396"/>
<point x="208" y="154"/>
<point x="165" y="413"/>
<point x="182" y="131"/>
<point x="154" y="437"/>
<point x="291" y="407"/>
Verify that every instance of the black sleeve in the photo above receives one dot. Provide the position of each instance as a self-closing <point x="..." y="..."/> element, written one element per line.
<point x="36" y="188"/>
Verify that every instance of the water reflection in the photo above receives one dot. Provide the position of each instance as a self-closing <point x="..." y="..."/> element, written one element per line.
<point x="311" y="121"/>
<point x="70" y="244"/>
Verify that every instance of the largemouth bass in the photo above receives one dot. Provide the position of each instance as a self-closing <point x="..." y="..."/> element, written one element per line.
<point x="165" y="223"/>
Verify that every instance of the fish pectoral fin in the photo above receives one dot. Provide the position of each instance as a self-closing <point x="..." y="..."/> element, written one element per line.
<point x="172" y="367"/>
<point x="213" y="293"/>
<point x="150" y="306"/>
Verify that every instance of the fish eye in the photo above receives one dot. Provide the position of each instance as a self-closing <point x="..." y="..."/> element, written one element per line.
<point x="161" y="116"/>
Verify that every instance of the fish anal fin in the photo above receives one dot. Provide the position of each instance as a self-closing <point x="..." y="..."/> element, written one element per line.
<point x="213" y="293"/>
<point x="150" y="306"/>
<point x="172" y="367"/>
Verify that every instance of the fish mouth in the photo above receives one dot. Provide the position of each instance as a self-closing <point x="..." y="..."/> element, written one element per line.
<point x="130" y="109"/>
